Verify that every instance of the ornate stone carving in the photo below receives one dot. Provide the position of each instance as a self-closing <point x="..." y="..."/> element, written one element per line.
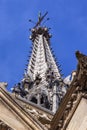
<point x="37" y="114"/>
<point x="4" y="126"/>
<point x="3" y="84"/>
<point x="82" y="70"/>
<point x="42" y="83"/>
<point x="78" y="90"/>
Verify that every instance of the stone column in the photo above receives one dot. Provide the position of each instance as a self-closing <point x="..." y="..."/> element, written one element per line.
<point x="55" y="99"/>
<point x="38" y="99"/>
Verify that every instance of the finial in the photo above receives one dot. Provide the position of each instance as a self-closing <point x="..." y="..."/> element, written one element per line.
<point x="40" y="19"/>
<point x="39" y="16"/>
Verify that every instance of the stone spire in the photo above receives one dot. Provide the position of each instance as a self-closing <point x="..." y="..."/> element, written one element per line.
<point x="42" y="83"/>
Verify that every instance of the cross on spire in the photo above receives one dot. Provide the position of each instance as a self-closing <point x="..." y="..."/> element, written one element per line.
<point x="40" y="19"/>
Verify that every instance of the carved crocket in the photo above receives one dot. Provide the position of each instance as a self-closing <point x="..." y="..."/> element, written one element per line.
<point x="81" y="74"/>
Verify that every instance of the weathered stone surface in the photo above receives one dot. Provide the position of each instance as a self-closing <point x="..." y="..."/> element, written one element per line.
<point x="76" y="92"/>
<point x="4" y="126"/>
<point x="79" y="119"/>
<point x="15" y="115"/>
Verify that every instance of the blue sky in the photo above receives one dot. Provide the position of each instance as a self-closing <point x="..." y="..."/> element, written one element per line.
<point x="68" y="23"/>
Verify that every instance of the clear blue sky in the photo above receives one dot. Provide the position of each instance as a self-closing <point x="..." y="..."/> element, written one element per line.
<point x="68" y="22"/>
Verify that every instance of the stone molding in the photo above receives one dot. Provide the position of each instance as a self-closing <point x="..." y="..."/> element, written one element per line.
<point x="29" y="121"/>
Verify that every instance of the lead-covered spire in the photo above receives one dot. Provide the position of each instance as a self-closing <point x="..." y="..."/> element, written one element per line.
<point x="42" y="83"/>
<point x="41" y="60"/>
